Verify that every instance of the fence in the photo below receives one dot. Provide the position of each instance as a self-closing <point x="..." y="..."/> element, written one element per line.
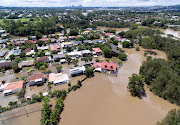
<point x="14" y="114"/>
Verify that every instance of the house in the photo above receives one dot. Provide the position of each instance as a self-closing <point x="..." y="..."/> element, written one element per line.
<point x="87" y="41"/>
<point x="38" y="79"/>
<point x="3" y="53"/>
<point x="2" y="31"/>
<point x="59" y="78"/>
<point x="59" y="57"/>
<point x="27" y="50"/>
<point x="43" y="48"/>
<point x="42" y="59"/>
<point x="75" y="43"/>
<point x="18" y="42"/>
<point x="26" y="63"/>
<point x="66" y="44"/>
<point x="53" y="40"/>
<point x="72" y="37"/>
<point x="118" y="38"/>
<point x="98" y="41"/>
<point x="6" y="64"/>
<point x="12" y="88"/>
<point x="75" y="54"/>
<point x="110" y="35"/>
<point x="55" y="47"/>
<point x="33" y="37"/>
<point x="77" y="70"/>
<point x="32" y="41"/>
<point x="30" y="53"/>
<point x="114" y="50"/>
<point x="44" y="39"/>
<point x="86" y="52"/>
<point x="97" y="51"/>
<point x="104" y="66"/>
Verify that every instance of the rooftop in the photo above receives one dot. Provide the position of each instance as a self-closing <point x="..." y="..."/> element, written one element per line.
<point x="34" y="77"/>
<point x="97" y="50"/>
<point x="14" y="85"/>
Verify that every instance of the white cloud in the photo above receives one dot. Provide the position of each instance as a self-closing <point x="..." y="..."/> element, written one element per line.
<point x="93" y="3"/>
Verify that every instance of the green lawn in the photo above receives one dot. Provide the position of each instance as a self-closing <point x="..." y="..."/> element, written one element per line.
<point x="22" y="19"/>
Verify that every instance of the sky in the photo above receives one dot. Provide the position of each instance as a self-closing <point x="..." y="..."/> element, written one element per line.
<point x="86" y="3"/>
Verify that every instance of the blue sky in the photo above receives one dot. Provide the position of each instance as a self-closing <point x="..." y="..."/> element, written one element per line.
<point x="93" y="3"/>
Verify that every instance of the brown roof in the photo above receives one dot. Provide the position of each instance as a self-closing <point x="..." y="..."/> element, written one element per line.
<point x="42" y="58"/>
<point x="6" y="64"/>
<point x="34" y="77"/>
<point x="27" y="50"/>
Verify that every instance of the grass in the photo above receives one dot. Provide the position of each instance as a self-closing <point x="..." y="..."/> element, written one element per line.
<point x="22" y="19"/>
<point x="29" y="58"/>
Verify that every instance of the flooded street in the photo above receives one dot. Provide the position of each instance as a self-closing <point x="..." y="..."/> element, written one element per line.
<point x="105" y="100"/>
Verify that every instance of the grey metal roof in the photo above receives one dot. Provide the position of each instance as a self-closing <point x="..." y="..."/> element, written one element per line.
<point x="58" y="56"/>
<point x="2" y="53"/>
<point x="85" y="51"/>
<point x="77" y="42"/>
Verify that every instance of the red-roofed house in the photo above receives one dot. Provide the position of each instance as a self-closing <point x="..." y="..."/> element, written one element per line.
<point x="32" y="41"/>
<point x="97" y="50"/>
<point x="55" y="47"/>
<point x="105" y="66"/>
<point x="18" y="42"/>
<point x="27" y="50"/>
<point x="13" y="87"/>
<point x="72" y="37"/>
<point x="108" y="34"/>
<point x="37" y="79"/>
<point x="42" y="59"/>
<point x="118" y="38"/>
<point x="44" y="39"/>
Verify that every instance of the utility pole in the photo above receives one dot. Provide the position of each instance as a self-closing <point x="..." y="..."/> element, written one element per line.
<point x="25" y="111"/>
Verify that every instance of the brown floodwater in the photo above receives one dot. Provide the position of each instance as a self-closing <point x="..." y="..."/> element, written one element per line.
<point x="105" y="100"/>
<point x="117" y="29"/>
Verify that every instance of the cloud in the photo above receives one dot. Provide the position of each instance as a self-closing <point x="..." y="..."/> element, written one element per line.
<point x="93" y="3"/>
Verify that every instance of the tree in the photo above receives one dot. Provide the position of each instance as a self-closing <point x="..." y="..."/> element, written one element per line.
<point x="115" y="42"/>
<point x="172" y="118"/>
<point x="12" y="57"/>
<point x="68" y="59"/>
<point x="73" y="32"/>
<point x="136" y="84"/>
<point x="40" y="43"/>
<point x="122" y="56"/>
<point x="107" y="52"/>
<point x="126" y="44"/>
<point x="22" y="55"/>
<point x="58" y="68"/>
<point x="89" y="72"/>
<point x="45" y="112"/>
<point x="42" y="67"/>
<point x="137" y="48"/>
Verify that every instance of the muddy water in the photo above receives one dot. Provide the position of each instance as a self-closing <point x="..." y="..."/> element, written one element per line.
<point x="105" y="100"/>
<point x="117" y="29"/>
<point x="172" y="32"/>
